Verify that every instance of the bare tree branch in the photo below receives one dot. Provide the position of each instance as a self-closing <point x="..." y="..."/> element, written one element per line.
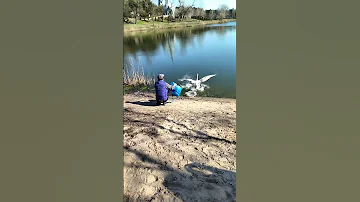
<point x="185" y="9"/>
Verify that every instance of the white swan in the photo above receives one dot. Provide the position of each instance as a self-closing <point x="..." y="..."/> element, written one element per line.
<point x="198" y="82"/>
<point x="205" y="78"/>
<point x="196" y="85"/>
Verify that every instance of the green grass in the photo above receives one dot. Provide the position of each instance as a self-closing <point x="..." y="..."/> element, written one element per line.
<point x="138" y="88"/>
<point x="140" y="22"/>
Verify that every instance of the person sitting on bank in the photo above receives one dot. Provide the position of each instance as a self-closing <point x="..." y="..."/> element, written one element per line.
<point x="162" y="88"/>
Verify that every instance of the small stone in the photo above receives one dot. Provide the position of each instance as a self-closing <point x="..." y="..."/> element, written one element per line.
<point x="151" y="179"/>
<point x="149" y="191"/>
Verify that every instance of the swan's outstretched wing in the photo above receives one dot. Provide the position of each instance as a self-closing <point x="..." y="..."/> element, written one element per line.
<point x="205" y="78"/>
<point x="190" y="80"/>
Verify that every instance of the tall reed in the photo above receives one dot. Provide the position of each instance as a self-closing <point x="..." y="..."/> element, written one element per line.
<point x="135" y="76"/>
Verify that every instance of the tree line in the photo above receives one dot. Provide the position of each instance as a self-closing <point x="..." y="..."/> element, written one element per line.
<point x="147" y="10"/>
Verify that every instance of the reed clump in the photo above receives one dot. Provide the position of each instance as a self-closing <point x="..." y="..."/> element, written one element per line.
<point x="135" y="77"/>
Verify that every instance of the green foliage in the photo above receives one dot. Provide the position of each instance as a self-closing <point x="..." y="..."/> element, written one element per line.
<point x="141" y="8"/>
<point x="146" y="9"/>
<point x="143" y="13"/>
<point x="147" y="6"/>
<point x="127" y="10"/>
<point x="158" y="10"/>
<point x="134" y="4"/>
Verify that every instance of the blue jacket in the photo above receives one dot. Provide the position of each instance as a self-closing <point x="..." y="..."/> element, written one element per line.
<point x="161" y="89"/>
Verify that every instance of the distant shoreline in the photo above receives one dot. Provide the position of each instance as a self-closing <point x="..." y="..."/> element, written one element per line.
<point x="133" y="28"/>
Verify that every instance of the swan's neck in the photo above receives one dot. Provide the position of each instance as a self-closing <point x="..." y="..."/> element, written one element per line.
<point x="197" y="76"/>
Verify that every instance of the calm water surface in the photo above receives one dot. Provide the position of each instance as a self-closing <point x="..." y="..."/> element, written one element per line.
<point x="176" y="53"/>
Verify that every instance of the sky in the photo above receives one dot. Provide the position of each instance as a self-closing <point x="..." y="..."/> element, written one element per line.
<point x="206" y="4"/>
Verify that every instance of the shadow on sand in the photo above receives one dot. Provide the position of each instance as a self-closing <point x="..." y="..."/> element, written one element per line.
<point x="202" y="183"/>
<point x="148" y="103"/>
<point x="191" y="133"/>
<point x="152" y="102"/>
<point x="199" y="182"/>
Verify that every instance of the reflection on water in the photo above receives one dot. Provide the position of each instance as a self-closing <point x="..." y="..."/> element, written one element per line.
<point x="148" y="44"/>
<point x="205" y="50"/>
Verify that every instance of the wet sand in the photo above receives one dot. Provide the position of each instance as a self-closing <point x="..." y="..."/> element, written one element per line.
<point x="183" y="151"/>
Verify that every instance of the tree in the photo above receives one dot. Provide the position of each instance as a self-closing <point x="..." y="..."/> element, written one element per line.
<point x="134" y="6"/>
<point x="127" y="10"/>
<point x="143" y="14"/>
<point x="201" y="14"/>
<point x="232" y="13"/>
<point x="196" y="12"/>
<point x="159" y="10"/>
<point x="210" y="14"/>
<point x="147" y="7"/>
<point x="184" y="9"/>
<point x="223" y="10"/>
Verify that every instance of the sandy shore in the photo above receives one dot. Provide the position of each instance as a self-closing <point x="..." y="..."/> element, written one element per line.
<point x="184" y="151"/>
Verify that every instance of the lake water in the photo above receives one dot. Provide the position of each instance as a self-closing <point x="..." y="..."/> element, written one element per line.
<point x="186" y="52"/>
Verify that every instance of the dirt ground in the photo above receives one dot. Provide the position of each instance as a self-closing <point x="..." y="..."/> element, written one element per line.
<point x="183" y="151"/>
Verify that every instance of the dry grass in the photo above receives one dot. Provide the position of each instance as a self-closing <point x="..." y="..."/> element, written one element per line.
<point x="164" y="25"/>
<point x="135" y="76"/>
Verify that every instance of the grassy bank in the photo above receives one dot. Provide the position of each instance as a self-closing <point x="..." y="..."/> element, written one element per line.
<point x="145" y="26"/>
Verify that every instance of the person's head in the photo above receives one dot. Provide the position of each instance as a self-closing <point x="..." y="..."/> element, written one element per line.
<point x="161" y="77"/>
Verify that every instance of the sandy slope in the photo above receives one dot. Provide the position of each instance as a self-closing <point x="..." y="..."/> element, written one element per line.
<point x="184" y="151"/>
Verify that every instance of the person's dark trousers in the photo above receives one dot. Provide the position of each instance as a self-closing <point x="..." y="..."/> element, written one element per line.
<point x="159" y="102"/>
